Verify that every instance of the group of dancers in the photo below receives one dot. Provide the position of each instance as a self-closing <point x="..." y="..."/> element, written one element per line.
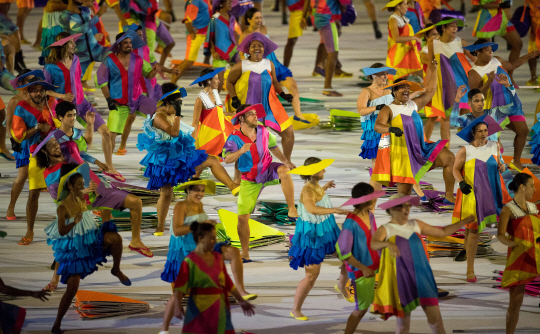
<point x="479" y="98"/>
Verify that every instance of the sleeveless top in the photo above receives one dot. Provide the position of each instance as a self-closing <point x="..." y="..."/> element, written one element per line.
<point x="194" y="218"/>
<point x="257" y="67"/>
<point x="483" y="70"/>
<point x="482" y="153"/>
<point x="518" y="212"/>
<point x="323" y="203"/>
<point x="404" y="231"/>
<point x="447" y="49"/>
<point x="207" y="102"/>
<point x="385" y="99"/>
<point x="402" y="20"/>
<point x="406" y="109"/>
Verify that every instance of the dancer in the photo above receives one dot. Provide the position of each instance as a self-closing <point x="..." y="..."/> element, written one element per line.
<point x="492" y="20"/>
<point x="172" y="158"/>
<point x="403" y="46"/>
<point x="478" y="169"/>
<point x="51" y="27"/>
<point x="354" y="248"/>
<point x="518" y="226"/>
<point x="251" y="145"/>
<point x="63" y="70"/>
<point x="253" y="81"/>
<point x="297" y="24"/>
<point x="33" y="119"/>
<point x="10" y="30"/>
<point x="372" y="13"/>
<point x="316" y="231"/>
<point x="24" y="8"/>
<point x="284" y="76"/>
<point x="186" y="213"/>
<point x="452" y="73"/>
<point x="212" y="126"/>
<point x="406" y="140"/>
<point x="4" y="151"/>
<point x="196" y="19"/>
<point x="403" y="252"/>
<point x="119" y="78"/>
<point x="204" y="276"/>
<point x="6" y="65"/>
<point x="484" y="75"/>
<point x="78" y="243"/>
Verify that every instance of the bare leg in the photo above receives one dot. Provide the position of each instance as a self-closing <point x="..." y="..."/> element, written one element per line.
<point x="403" y="325"/>
<point x="113" y="140"/>
<point x="31" y="212"/>
<point x="291" y="86"/>
<point x="243" y="234"/>
<point x="429" y="125"/>
<point x="516" y="43"/>
<point x="165" y="53"/>
<point x="218" y="171"/>
<point x="329" y="71"/>
<point x="106" y="215"/>
<point x="233" y="254"/>
<point x="113" y="241"/>
<point x="304" y="287"/>
<point x="446" y="161"/>
<point x="65" y="302"/>
<point x="343" y="279"/>
<point x="168" y="314"/>
<point x="134" y="204"/>
<point x="37" y="43"/>
<point x="404" y="188"/>
<point x="288" y="53"/>
<point x="22" y="13"/>
<point x="370" y="8"/>
<point x="445" y="128"/>
<point x="127" y="130"/>
<point x="9" y="51"/>
<point x="354" y="320"/>
<point x="471" y="247"/>
<point x="287" y="141"/>
<point x="184" y="66"/>
<point x="3" y="147"/>
<point x="4" y="8"/>
<point x="320" y="59"/>
<point x="237" y="174"/>
<point x="514" y="305"/>
<point x="103" y="130"/>
<point x="55" y="278"/>
<point x="433" y="314"/>
<point x="521" y="130"/>
<point x="287" y="187"/>
<point x="164" y="201"/>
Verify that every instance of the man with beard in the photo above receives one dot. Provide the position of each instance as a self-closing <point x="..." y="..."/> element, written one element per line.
<point x="32" y="120"/>
<point x="119" y="78"/>
<point x="77" y="19"/>
<point x="63" y="70"/>
<point x="251" y="145"/>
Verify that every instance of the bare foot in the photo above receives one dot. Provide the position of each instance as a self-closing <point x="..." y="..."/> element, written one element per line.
<point x="118" y="273"/>
<point x="293" y="212"/>
<point x="450" y="198"/>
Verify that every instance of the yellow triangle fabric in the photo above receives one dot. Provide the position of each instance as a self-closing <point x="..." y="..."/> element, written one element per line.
<point x="229" y="220"/>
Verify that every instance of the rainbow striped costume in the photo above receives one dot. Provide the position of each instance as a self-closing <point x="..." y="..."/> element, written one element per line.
<point x="214" y="127"/>
<point x="404" y="57"/>
<point x="491" y="22"/>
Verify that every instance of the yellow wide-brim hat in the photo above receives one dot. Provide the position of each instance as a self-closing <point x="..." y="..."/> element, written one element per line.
<point x="209" y="186"/>
<point x="392" y="3"/>
<point x="313" y="168"/>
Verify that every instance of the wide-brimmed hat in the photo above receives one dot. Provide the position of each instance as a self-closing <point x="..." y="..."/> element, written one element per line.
<point x="269" y="46"/>
<point x="209" y="186"/>
<point x="460" y="24"/>
<point x="313" y="168"/>
<point x="63" y="41"/>
<point x="57" y="134"/>
<point x="37" y="73"/>
<point x="179" y="90"/>
<point x="370" y="71"/>
<point x="392" y="3"/>
<point x="365" y="198"/>
<point x="493" y="127"/>
<point x="136" y="41"/>
<point x="63" y="191"/>
<point x="471" y="48"/>
<point x="133" y="26"/>
<point x="414" y="86"/>
<point x="259" y="109"/>
<point x="46" y="85"/>
<point x="399" y="199"/>
<point x="208" y="75"/>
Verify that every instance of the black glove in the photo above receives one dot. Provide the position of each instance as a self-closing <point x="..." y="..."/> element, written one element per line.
<point x="178" y="107"/>
<point x="397" y="131"/>
<point x="236" y="102"/>
<point x="506" y="4"/>
<point x="286" y="97"/>
<point x="465" y="187"/>
<point x="111" y="103"/>
<point x="15" y="145"/>
<point x="380" y="106"/>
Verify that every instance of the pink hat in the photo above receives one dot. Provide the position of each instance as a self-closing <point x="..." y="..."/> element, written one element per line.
<point x="65" y="40"/>
<point x="259" y="109"/>
<point x="363" y="199"/>
<point x="399" y="199"/>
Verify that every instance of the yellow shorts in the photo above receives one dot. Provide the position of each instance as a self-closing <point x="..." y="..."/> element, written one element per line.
<point x="25" y="4"/>
<point x="35" y="175"/>
<point x="193" y="46"/>
<point x="117" y="119"/>
<point x="294" y="24"/>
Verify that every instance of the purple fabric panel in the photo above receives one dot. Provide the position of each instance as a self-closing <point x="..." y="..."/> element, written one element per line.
<point x="102" y="75"/>
<point x="232" y="21"/>
<point x="145" y="105"/>
<point x="230" y="147"/>
<point x="345" y="241"/>
<point x="485" y="204"/>
<point x="164" y="34"/>
<point x="497" y="94"/>
<point x="413" y="147"/>
<point x="269" y="174"/>
<point x="133" y="80"/>
<point x="254" y="89"/>
<point x="406" y="277"/>
<point x="262" y="148"/>
<point x="84" y="107"/>
<point x="449" y="88"/>
<point x="110" y="198"/>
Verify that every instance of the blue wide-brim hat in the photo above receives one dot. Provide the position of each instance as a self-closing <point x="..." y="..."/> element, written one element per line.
<point x="133" y="27"/>
<point x="36" y="73"/>
<point x="470" y="48"/>
<point x="371" y="71"/>
<point x="136" y="41"/>
<point x="179" y="90"/>
<point x="46" y="85"/>
<point x="208" y="76"/>
<point x="493" y="127"/>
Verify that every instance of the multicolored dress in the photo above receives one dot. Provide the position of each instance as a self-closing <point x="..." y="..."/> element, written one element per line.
<point x="491" y="22"/>
<point x="523" y="262"/>
<point x="451" y="73"/>
<point x="369" y="136"/>
<point x="221" y="34"/>
<point x="355" y="240"/>
<point x="81" y="250"/>
<point x="208" y="310"/>
<point x="408" y="158"/>
<point x="214" y="127"/>
<point x="170" y="160"/>
<point x="481" y="171"/>
<point x="150" y="87"/>
<point x="407" y="281"/>
<point x="315" y="236"/>
<point x="255" y="86"/>
<point x="404" y="57"/>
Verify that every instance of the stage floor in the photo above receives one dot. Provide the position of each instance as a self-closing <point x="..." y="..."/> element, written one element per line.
<point x="470" y="308"/>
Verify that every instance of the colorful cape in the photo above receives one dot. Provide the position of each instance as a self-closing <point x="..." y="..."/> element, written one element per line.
<point x="68" y="80"/>
<point x="221" y="34"/>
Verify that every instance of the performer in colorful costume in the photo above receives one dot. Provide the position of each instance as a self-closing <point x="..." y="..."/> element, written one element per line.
<point x="316" y="231"/>
<point x="403" y="46"/>
<point x="519" y="229"/>
<point x="182" y="242"/>
<point x="354" y="249"/>
<point x="204" y="276"/>
<point x="297" y="22"/>
<point x="403" y="156"/>
<point x="452" y="73"/>
<point x="482" y="191"/>
<point x="251" y="145"/>
<point x="253" y="81"/>
<point x="405" y="277"/>
<point x="485" y="74"/>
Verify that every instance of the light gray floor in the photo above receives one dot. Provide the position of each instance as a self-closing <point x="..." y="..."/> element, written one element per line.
<point x="471" y="308"/>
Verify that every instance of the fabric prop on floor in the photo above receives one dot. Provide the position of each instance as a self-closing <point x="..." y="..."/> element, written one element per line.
<point x="97" y="305"/>
<point x="435" y="202"/>
<point x="122" y="220"/>
<point x="276" y="212"/>
<point x="392" y="189"/>
<point x="343" y="120"/>
<point x="451" y="246"/>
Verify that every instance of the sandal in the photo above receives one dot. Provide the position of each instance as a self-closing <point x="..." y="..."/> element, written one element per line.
<point x="298" y="119"/>
<point x="512" y="166"/>
<point x="331" y="93"/>
<point x="141" y="251"/>
<point x="50" y="288"/>
<point x="121" y="152"/>
<point x="118" y="177"/>
<point x="25" y="241"/>
<point x="7" y="156"/>
<point x="11" y="218"/>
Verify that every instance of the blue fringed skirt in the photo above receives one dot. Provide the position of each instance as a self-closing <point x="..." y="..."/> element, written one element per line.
<point x="369" y="136"/>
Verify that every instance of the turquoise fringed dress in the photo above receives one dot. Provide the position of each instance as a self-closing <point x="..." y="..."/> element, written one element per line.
<point x="315" y="236"/>
<point x="81" y="250"/>
<point x="170" y="160"/>
<point x="369" y="136"/>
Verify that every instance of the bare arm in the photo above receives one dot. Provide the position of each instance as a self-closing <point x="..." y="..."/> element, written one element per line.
<point x="234" y="75"/>
<point x="196" y="117"/>
<point x="178" y="219"/>
<point x="504" y="218"/>
<point x="508" y="66"/>
<point x="435" y="231"/>
<point x="458" y="164"/>
<point x="308" y="199"/>
<point x="362" y="102"/>
<point x="430" y="53"/>
<point x="64" y="229"/>
<point x="11" y="291"/>
<point x="161" y="122"/>
<point x="431" y="86"/>
<point x="393" y="26"/>
<point x="475" y="81"/>
<point x="467" y="52"/>
<point x="105" y="91"/>
<point x="381" y="124"/>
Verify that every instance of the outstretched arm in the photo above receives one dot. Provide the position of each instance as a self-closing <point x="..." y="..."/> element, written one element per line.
<point x="431" y="86"/>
